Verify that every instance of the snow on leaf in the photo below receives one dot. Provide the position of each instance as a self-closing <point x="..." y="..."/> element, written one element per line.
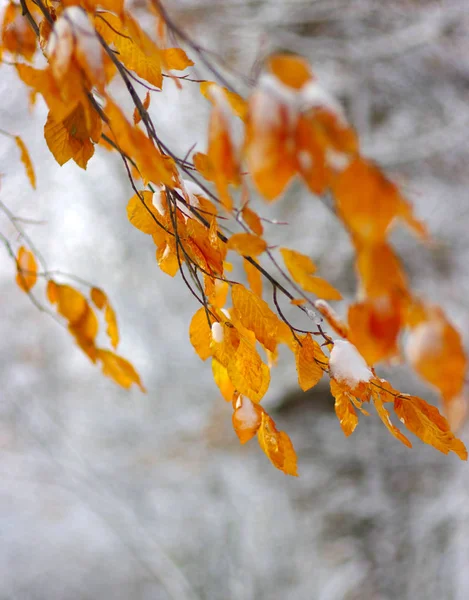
<point x="347" y="365"/>
<point x="306" y="355"/>
<point x="426" y="422"/>
<point x="26" y="265"/>
<point x="247" y="418"/>
<point x="277" y="446"/>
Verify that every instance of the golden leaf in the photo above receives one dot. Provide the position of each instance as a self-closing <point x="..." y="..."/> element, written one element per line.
<point x="69" y="138"/>
<point x="247" y="244"/>
<point x="204" y="166"/>
<point x="384" y="416"/>
<point x="221" y="378"/>
<point x="26" y="160"/>
<point x="256" y="316"/>
<point x="146" y="104"/>
<point x="426" y="422"/>
<point x="249" y="375"/>
<point x="252" y="219"/>
<point x="26" y="265"/>
<point x="237" y="104"/>
<point x="142" y="214"/>
<point x="292" y="71"/>
<point x="200" y="334"/>
<point x="175" y="59"/>
<point x="166" y="256"/>
<point x="254" y="278"/>
<point x="306" y="355"/>
<point x="52" y="292"/>
<point x="17" y="35"/>
<point x="119" y="369"/>
<point x="277" y="446"/>
<point x="84" y="331"/>
<point x="247" y="418"/>
<point x="301" y="268"/>
<point x="112" y="329"/>
<point x="98" y="298"/>
<point x="71" y="304"/>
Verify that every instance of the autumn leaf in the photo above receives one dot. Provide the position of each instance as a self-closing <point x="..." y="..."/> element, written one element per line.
<point x="200" y="333"/>
<point x="426" y="422"/>
<point x="293" y="71"/>
<point x="249" y="375"/>
<point x="26" y="160"/>
<point x="222" y="379"/>
<point x="175" y="59"/>
<point x="119" y="369"/>
<point x="247" y="244"/>
<point x="142" y="214"/>
<point x="26" y="265"/>
<point x="112" y="329"/>
<point x="301" y="268"/>
<point x="146" y="105"/>
<point x="247" y="418"/>
<point x="344" y="408"/>
<point x="71" y="303"/>
<point x="277" y="446"/>
<point x="254" y="278"/>
<point x="385" y="418"/>
<point x="310" y="362"/>
<point x="98" y="298"/>
<point x="235" y="101"/>
<point x="252" y="219"/>
<point x="256" y="316"/>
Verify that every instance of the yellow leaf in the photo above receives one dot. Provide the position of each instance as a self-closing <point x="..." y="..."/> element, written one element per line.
<point x="256" y="316"/>
<point x="142" y="214"/>
<point x="247" y="418"/>
<point x="119" y="369"/>
<point x="112" y="329"/>
<point x="277" y="446"/>
<point x="84" y="331"/>
<point x="384" y="416"/>
<point x="26" y="265"/>
<point x="293" y="71"/>
<point x="252" y="219"/>
<point x="69" y="138"/>
<point x="71" y="304"/>
<point x="426" y="422"/>
<point x="221" y="378"/>
<point x="52" y="292"/>
<point x="247" y="244"/>
<point x="204" y="166"/>
<point x="200" y="333"/>
<point x="98" y="298"/>
<point x="237" y="104"/>
<point x="254" y="278"/>
<point x="166" y="257"/>
<point x="175" y="59"/>
<point x="344" y="409"/>
<point x="301" y="268"/>
<point x="26" y="160"/>
<point x="306" y="355"/>
<point x="249" y="375"/>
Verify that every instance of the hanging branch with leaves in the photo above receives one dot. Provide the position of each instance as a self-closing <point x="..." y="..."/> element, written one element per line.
<point x="199" y="210"/>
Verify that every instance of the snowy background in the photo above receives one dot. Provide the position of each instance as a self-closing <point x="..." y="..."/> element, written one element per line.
<point x="106" y="493"/>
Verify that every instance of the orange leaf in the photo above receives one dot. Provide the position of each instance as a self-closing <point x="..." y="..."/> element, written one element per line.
<point x="277" y="446"/>
<point x="344" y="409"/>
<point x="26" y="160"/>
<point x="384" y="416"/>
<point x="112" y="330"/>
<point x="253" y="220"/>
<point x="204" y="166"/>
<point x="175" y="59"/>
<point x="301" y="268"/>
<point x="254" y="278"/>
<point x="84" y="331"/>
<point x="434" y="349"/>
<point x="221" y="378"/>
<point x="98" y="298"/>
<point x="237" y="104"/>
<point x="71" y="304"/>
<point x="26" y="265"/>
<point x="247" y="418"/>
<point x="256" y="316"/>
<point x="428" y="424"/>
<point x="249" y="375"/>
<point x="306" y="355"/>
<point x="142" y="214"/>
<point x="247" y="244"/>
<point x="52" y="292"/>
<point x="69" y="138"/>
<point x="200" y="333"/>
<point x="167" y="259"/>
<point x="119" y="369"/>
<point x="293" y="71"/>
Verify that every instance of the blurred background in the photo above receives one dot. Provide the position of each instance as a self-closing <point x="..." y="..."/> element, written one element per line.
<point x="106" y="493"/>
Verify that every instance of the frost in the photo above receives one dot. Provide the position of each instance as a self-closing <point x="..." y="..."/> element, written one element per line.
<point x="217" y="333"/>
<point x="347" y="365"/>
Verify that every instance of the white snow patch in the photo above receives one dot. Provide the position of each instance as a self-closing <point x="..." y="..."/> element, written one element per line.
<point x="157" y="201"/>
<point x="337" y="160"/>
<point x="348" y="365"/>
<point x="313" y="95"/>
<point x="305" y="159"/>
<point x="424" y="340"/>
<point x="217" y="333"/>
